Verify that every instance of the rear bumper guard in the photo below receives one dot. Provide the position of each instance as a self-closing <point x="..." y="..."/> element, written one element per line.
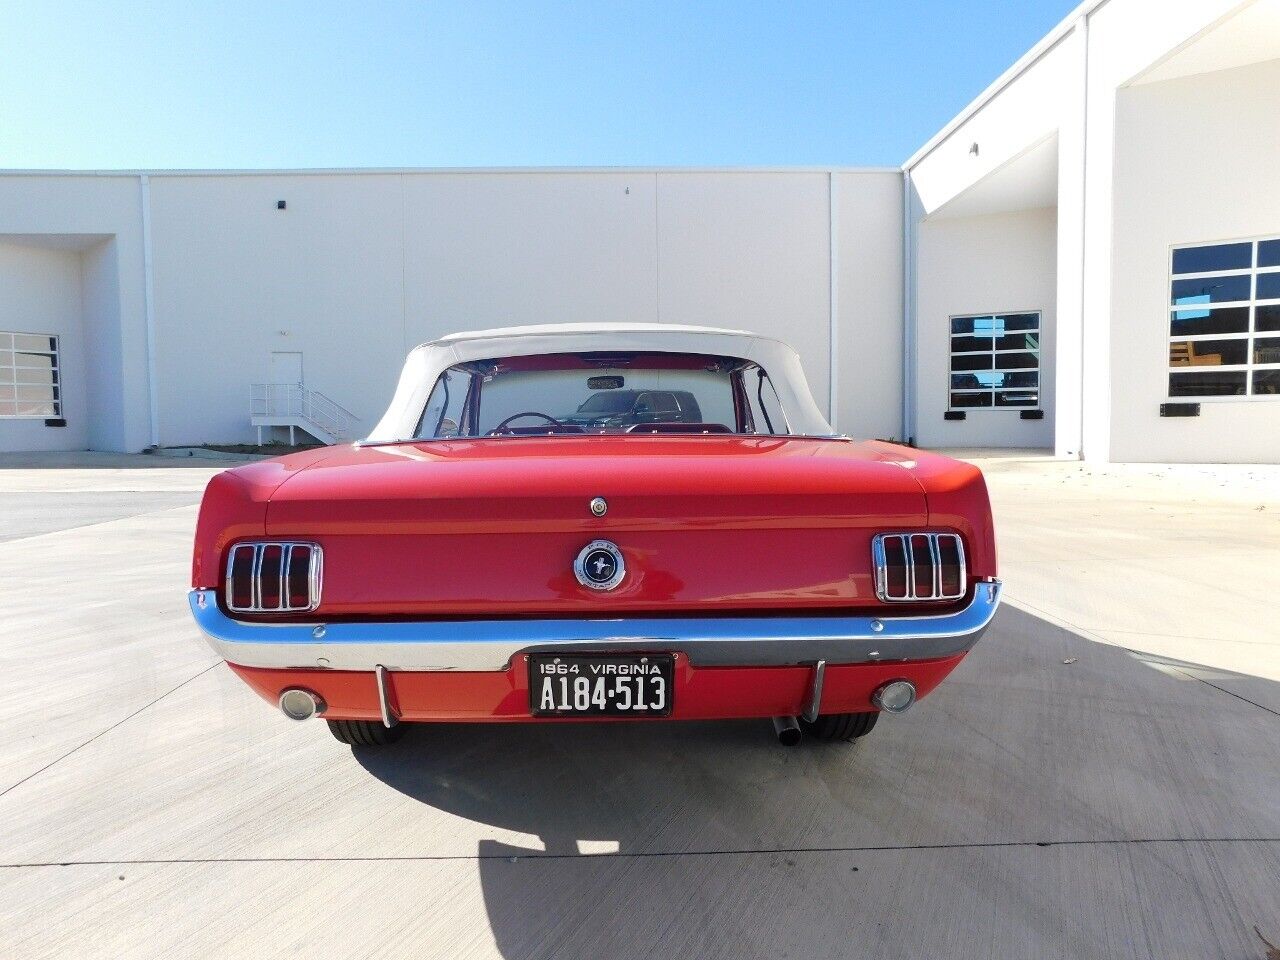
<point x="490" y="645"/>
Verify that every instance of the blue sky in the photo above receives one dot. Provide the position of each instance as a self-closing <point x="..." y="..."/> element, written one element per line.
<point x="319" y="84"/>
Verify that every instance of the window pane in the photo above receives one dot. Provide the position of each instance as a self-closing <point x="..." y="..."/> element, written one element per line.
<point x="8" y="408"/>
<point x="1267" y="317"/>
<point x="1269" y="253"/>
<point x="41" y="361"/>
<point x="994" y="379"/>
<point x="978" y="361"/>
<point x="1266" y="350"/>
<point x="30" y="341"/>
<point x="1222" y="256"/>
<point x="1017" y="398"/>
<point x="1207" y="353"/>
<point x="1266" y="381"/>
<point x="1013" y="361"/>
<point x="971" y="399"/>
<point x="1022" y="378"/>
<point x="1210" y="290"/>
<point x="586" y="393"/>
<point x="1207" y="383"/>
<point x="766" y="409"/>
<point x="1019" y="341"/>
<point x="1269" y="286"/>
<point x="45" y="394"/>
<point x="34" y="378"/>
<point x="442" y="416"/>
<point x="29" y="409"/>
<point x="995" y="324"/>
<point x="1188" y="323"/>
<point x="967" y="344"/>
<point x="1022" y="321"/>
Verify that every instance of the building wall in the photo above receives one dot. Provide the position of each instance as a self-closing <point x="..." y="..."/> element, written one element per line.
<point x="1004" y="263"/>
<point x="101" y="216"/>
<point x="236" y="279"/>
<point x="1195" y="161"/>
<point x="40" y="293"/>
<point x="359" y="268"/>
<point x="1124" y="39"/>
<point x="750" y="251"/>
<point x="1069" y="83"/>
<point x="869" y="305"/>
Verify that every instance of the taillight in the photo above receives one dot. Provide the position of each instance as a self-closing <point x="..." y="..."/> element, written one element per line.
<point x="273" y="577"/>
<point x="919" y="566"/>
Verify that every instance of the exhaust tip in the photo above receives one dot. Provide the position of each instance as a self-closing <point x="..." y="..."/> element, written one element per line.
<point x="299" y="704"/>
<point x="788" y="731"/>
<point x="896" y="696"/>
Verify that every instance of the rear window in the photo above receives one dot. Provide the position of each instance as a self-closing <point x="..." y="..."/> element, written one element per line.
<point x="585" y="393"/>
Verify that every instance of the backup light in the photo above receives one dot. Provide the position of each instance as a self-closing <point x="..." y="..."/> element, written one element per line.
<point x="896" y="696"/>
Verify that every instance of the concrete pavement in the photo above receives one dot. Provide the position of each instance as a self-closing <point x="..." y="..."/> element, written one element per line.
<point x="1099" y="779"/>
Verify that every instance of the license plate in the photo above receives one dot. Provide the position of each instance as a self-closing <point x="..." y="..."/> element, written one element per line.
<point x="601" y="685"/>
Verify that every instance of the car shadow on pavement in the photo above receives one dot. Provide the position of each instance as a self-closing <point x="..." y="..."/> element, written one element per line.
<point x="1031" y="799"/>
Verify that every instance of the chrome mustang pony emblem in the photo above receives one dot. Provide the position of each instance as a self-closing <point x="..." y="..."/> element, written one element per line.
<point x="599" y="565"/>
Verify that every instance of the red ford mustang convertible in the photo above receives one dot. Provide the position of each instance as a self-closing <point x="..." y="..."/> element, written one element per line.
<point x="618" y="522"/>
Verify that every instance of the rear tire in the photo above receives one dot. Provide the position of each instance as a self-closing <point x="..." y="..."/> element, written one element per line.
<point x="840" y="726"/>
<point x="364" y="733"/>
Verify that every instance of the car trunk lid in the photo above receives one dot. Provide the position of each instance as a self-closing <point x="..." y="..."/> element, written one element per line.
<point x="492" y="526"/>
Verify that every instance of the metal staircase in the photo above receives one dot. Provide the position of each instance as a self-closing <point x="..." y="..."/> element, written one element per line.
<point x="292" y="405"/>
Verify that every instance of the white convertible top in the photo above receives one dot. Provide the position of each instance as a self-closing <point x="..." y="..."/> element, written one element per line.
<point x="425" y="363"/>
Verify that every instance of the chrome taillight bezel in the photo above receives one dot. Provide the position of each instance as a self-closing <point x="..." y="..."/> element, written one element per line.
<point x="315" y="576"/>
<point x="937" y="593"/>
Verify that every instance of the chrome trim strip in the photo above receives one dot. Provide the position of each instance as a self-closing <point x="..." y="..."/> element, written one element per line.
<point x="489" y="645"/>
<point x="255" y="578"/>
<point x="935" y="563"/>
<point x="909" y="557"/>
<point x="316" y="581"/>
<point x="286" y="561"/>
<point x="879" y="564"/>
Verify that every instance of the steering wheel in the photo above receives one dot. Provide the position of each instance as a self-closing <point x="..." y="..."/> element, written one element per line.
<point x="525" y="413"/>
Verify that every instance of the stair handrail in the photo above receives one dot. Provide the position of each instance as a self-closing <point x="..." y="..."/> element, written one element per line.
<point x="310" y="406"/>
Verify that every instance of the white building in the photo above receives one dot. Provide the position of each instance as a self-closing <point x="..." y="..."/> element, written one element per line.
<point x="1014" y="283"/>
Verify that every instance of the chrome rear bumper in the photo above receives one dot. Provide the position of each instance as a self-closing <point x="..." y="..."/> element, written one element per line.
<point x="489" y="645"/>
